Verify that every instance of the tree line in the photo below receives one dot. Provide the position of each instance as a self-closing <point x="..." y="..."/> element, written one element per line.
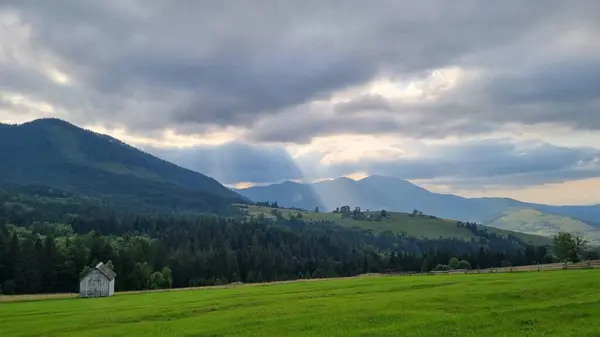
<point x="48" y="240"/>
<point x="158" y="251"/>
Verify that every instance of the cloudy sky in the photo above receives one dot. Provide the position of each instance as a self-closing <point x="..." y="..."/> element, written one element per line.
<point x="479" y="98"/>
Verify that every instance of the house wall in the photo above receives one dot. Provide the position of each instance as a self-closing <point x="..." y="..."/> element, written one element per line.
<point x="111" y="288"/>
<point x="95" y="284"/>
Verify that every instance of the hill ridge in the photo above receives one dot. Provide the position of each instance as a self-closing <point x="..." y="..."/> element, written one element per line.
<point x="58" y="154"/>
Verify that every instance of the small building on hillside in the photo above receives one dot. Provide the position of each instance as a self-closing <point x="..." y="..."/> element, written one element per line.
<point x="345" y="209"/>
<point x="99" y="282"/>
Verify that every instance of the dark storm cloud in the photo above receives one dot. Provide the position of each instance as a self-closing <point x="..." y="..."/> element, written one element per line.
<point x="564" y="81"/>
<point x="300" y="127"/>
<point x="297" y="126"/>
<point x="563" y="92"/>
<point x="235" y="162"/>
<point x="187" y="64"/>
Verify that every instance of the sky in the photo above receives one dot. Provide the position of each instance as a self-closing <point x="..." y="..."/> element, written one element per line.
<point x="477" y="98"/>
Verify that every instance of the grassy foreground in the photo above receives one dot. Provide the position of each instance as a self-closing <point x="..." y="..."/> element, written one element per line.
<point x="561" y="303"/>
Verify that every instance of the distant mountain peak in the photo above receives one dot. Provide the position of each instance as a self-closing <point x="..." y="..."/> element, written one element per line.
<point x="347" y="179"/>
<point x="376" y="177"/>
<point x="50" y="121"/>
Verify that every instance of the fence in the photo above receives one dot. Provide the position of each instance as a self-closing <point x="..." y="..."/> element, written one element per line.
<point x="539" y="267"/>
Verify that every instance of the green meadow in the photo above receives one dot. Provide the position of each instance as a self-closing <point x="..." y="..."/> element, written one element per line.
<point x="544" y="224"/>
<point x="397" y="222"/>
<point x="558" y="303"/>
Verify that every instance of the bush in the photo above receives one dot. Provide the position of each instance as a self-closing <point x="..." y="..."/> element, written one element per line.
<point x="463" y="264"/>
<point x="441" y="267"/>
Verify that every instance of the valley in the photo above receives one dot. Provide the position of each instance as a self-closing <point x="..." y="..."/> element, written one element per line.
<point x="299" y="168"/>
<point x="397" y="195"/>
<point x="80" y="198"/>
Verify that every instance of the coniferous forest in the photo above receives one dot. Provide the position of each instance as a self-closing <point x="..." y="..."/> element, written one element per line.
<point x="45" y="251"/>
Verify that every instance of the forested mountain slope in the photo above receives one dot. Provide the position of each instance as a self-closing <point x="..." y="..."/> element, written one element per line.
<point x="54" y="153"/>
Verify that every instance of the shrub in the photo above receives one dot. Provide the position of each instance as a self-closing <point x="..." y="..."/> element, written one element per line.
<point x="453" y="263"/>
<point x="463" y="264"/>
<point x="441" y="267"/>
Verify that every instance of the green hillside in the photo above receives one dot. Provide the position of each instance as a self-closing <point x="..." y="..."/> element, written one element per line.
<point x="415" y="226"/>
<point x="56" y="154"/>
<point x="394" y="194"/>
<point x="539" y="223"/>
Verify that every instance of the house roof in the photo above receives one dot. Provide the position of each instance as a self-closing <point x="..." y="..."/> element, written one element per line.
<point x="101" y="267"/>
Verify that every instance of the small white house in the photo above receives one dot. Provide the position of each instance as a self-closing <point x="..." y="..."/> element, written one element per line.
<point x="99" y="282"/>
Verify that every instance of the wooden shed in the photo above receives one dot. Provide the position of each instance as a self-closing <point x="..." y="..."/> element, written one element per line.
<point x="99" y="282"/>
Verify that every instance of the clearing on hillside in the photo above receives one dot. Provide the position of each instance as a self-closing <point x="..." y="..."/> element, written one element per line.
<point x="423" y="226"/>
<point x="538" y="223"/>
<point x="561" y="303"/>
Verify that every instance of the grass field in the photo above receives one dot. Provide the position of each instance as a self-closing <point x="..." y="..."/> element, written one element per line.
<point x="560" y="303"/>
<point x="419" y="226"/>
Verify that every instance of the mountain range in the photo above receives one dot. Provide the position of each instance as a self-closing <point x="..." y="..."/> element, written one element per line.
<point x="49" y="155"/>
<point x="394" y="194"/>
<point x="59" y="155"/>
